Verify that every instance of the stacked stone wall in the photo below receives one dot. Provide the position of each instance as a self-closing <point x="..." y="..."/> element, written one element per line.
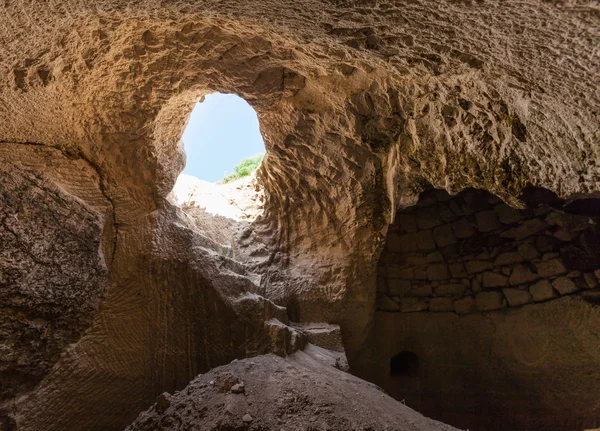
<point x="471" y="253"/>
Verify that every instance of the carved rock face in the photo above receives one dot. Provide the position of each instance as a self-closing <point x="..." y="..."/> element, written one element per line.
<point x="52" y="275"/>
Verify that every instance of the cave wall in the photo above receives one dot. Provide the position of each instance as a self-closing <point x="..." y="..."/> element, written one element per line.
<point x="473" y="253"/>
<point x="97" y="310"/>
<point x="361" y="104"/>
<point x="479" y="302"/>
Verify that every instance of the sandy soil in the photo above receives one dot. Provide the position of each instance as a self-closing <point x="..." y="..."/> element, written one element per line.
<point x="303" y="391"/>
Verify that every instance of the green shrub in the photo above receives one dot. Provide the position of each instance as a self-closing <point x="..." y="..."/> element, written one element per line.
<point x="244" y="168"/>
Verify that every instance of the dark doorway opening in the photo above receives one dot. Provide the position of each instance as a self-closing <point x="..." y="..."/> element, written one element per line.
<point x="404" y="364"/>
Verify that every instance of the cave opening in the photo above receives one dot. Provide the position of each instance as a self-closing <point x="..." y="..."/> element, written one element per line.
<point x="224" y="148"/>
<point x="222" y="130"/>
<point x="404" y="364"/>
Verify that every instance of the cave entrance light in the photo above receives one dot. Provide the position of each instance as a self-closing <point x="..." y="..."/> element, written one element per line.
<point x="224" y="147"/>
<point x="222" y="132"/>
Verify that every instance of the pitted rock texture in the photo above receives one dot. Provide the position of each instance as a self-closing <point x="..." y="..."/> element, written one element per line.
<point x="52" y="275"/>
<point x="472" y="253"/>
<point x="297" y="393"/>
<point x="361" y="105"/>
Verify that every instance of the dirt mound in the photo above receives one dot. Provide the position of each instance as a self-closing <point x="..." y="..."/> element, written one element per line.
<point x="303" y="391"/>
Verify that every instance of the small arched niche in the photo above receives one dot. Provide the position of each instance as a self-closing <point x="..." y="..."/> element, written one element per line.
<point x="404" y="364"/>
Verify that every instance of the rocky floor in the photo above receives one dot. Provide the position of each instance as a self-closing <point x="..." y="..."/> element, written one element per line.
<point x="302" y="392"/>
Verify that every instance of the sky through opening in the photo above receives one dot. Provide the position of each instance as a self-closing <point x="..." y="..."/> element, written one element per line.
<point x="221" y="132"/>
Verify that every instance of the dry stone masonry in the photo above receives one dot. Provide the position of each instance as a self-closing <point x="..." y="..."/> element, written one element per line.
<point x="472" y="253"/>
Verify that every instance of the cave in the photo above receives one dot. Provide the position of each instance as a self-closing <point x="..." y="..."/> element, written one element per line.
<point x="422" y="250"/>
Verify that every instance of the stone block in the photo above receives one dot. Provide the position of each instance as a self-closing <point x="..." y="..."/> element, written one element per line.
<point x="522" y="275"/>
<point x="564" y="285"/>
<point x="384" y="303"/>
<point x="406" y="222"/>
<point x="525" y="229"/>
<point x="441" y="304"/>
<point x="569" y="222"/>
<point x="446" y="214"/>
<point x="400" y="244"/>
<point x="428" y="218"/>
<point x="475" y="285"/>
<point x="528" y="251"/>
<point x="484" y="255"/>
<point x="508" y="258"/>
<point x="487" y="301"/>
<point x="424" y="240"/>
<point x="437" y="271"/>
<point x="434" y="257"/>
<point x="550" y="268"/>
<point x="443" y="236"/>
<point x="465" y="305"/>
<point x="474" y="201"/>
<point x="398" y="287"/>
<point x="399" y="272"/>
<point x="450" y="252"/>
<point x="462" y="229"/>
<point x="457" y="270"/>
<point x="541" y="210"/>
<point x="455" y="208"/>
<point x="508" y="215"/>
<point x="451" y="289"/>
<point x="494" y="253"/>
<point x="411" y="305"/>
<point x="590" y="280"/>
<point x="415" y="259"/>
<point x="549" y="256"/>
<point x="542" y="291"/>
<point x="424" y="290"/>
<point x="476" y="266"/>
<point x="420" y="273"/>
<point x="486" y="221"/>
<point x="492" y="279"/>
<point x="516" y="297"/>
<point x="544" y="243"/>
<point x="565" y="235"/>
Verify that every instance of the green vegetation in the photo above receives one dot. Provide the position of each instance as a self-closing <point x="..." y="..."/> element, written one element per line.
<point x="244" y="168"/>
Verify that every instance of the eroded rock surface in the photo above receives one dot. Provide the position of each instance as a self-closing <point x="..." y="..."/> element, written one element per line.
<point x="52" y="275"/>
<point x="361" y="104"/>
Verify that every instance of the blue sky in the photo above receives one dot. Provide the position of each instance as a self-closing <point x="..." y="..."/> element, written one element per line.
<point x="221" y="132"/>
